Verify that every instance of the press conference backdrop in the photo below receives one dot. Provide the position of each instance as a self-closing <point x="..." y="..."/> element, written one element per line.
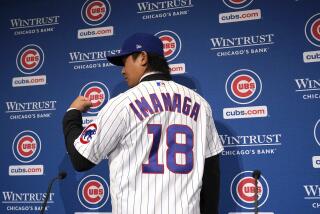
<point x="256" y="62"/>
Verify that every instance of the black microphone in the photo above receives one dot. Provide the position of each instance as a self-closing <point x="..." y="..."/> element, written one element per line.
<point x="256" y="175"/>
<point x="60" y="176"/>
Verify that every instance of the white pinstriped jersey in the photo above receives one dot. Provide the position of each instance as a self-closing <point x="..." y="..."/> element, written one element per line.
<point x="156" y="137"/>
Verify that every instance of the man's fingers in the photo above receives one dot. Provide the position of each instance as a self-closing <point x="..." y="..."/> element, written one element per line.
<point x="81" y="103"/>
<point x="85" y="98"/>
<point x="82" y="98"/>
<point x="88" y="103"/>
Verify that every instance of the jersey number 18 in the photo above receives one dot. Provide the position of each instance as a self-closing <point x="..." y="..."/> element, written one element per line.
<point x="174" y="148"/>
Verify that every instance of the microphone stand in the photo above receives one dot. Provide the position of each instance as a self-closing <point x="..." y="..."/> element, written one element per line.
<point x="256" y="175"/>
<point x="61" y="176"/>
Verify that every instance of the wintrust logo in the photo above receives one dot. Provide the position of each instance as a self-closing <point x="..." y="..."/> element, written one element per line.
<point x="312" y="33"/>
<point x="244" y="87"/>
<point x="239" y="16"/>
<point x="257" y="144"/>
<point x="312" y="193"/>
<point x="27" y="26"/>
<point x="29" y="60"/>
<point x="94" y="13"/>
<point x="30" y="110"/>
<point x="171" y="47"/>
<point x="25" y="201"/>
<point x="90" y="60"/>
<point x="244" y="45"/>
<point x="308" y="88"/>
<point x="163" y="9"/>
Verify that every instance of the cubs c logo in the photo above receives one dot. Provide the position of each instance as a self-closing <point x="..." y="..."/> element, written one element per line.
<point x="171" y="44"/>
<point x="237" y="4"/>
<point x="26" y="146"/>
<point x="312" y="30"/>
<point x="243" y="86"/>
<point x="316" y="132"/>
<point x="93" y="192"/>
<point x="95" y="12"/>
<point x="97" y="93"/>
<point x="30" y="59"/>
<point x="88" y="133"/>
<point x="242" y="190"/>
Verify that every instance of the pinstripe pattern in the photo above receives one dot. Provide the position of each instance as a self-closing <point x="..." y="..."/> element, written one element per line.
<point x="123" y="138"/>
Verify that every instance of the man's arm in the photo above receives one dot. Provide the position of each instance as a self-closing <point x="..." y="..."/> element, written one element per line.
<point x="209" y="195"/>
<point x="72" y="128"/>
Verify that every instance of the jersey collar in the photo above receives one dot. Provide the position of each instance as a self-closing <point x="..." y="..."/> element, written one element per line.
<point x="155" y="75"/>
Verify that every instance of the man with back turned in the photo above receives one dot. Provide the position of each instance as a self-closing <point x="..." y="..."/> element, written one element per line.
<point x="159" y="138"/>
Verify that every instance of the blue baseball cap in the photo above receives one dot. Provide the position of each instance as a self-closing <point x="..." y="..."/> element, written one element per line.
<point x="136" y="43"/>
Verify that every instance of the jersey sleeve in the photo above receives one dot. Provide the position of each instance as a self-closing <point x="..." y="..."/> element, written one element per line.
<point x="213" y="143"/>
<point x="101" y="136"/>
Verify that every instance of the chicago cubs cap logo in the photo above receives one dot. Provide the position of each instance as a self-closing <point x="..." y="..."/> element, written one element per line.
<point x="97" y="93"/>
<point x="30" y="59"/>
<point x="316" y="132"/>
<point x="26" y="146"/>
<point x="242" y="190"/>
<point x="93" y="192"/>
<point x="243" y="86"/>
<point x="88" y="133"/>
<point x="237" y="4"/>
<point x="171" y="44"/>
<point x="95" y="12"/>
<point x="312" y="30"/>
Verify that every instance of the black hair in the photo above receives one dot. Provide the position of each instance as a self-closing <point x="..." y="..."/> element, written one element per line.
<point x="156" y="63"/>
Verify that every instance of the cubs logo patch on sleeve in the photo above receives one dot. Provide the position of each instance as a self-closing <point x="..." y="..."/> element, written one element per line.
<point x="88" y="133"/>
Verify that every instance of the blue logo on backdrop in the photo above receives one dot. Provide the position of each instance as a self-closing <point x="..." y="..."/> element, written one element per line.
<point x="97" y="93"/>
<point x="95" y="12"/>
<point x="237" y="4"/>
<point x="316" y="132"/>
<point x="93" y="192"/>
<point x="243" y="86"/>
<point x="242" y="190"/>
<point x="30" y="59"/>
<point x="312" y="30"/>
<point x="171" y="44"/>
<point x="26" y="146"/>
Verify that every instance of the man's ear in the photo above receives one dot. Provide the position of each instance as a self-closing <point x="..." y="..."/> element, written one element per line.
<point x="143" y="58"/>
